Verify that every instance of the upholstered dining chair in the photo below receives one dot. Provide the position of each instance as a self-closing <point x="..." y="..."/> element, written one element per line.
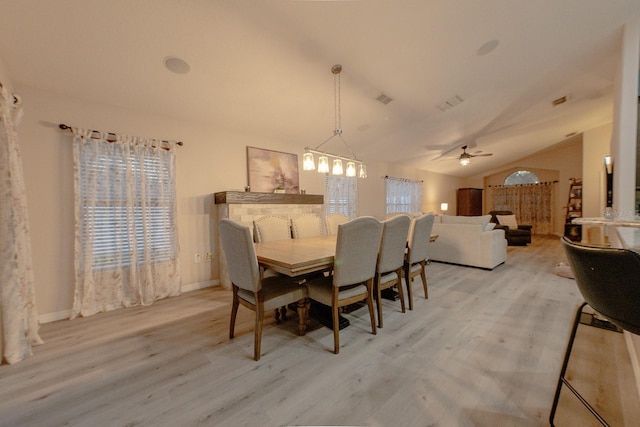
<point x="418" y="254"/>
<point x="270" y="228"/>
<point x="333" y="221"/>
<point x="307" y="225"/>
<point x="249" y="288"/>
<point x="354" y="270"/>
<point x="609" y="281"/>
<point x="391" y="260"/>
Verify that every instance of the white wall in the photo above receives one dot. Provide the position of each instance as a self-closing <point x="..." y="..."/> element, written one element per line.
<point x="211" y="160"/>
<point x="5" y="79"/>
<point x="624" y="134"/>
<point x="596" y="144"/>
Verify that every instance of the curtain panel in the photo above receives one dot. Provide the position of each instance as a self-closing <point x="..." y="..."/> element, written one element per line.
<point x="531" y="203"/>
<point x="403" y="195"/>
<point x="126" y="238"/>
<point x="18" y="312"/>
<point x="341" y="195"/>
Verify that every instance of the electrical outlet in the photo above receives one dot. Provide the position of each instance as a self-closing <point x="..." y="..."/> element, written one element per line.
<point x="197" y="258"/>
<point x="207" y="257"/>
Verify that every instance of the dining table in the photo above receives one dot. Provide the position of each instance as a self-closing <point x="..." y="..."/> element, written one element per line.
<point x="301" y="257"/>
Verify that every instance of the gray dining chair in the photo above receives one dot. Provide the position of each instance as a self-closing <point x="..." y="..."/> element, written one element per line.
<point x="391" y="260"/>
<point x="249" y="287"/>
<point x="270" y="228"/>
<point x="353" y="273"/>
<point x="333" y="221"/>
<point x="307" y="225"/>
<point x="418" y="254"/>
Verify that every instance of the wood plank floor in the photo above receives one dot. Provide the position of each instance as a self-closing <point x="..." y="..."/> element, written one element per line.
<point x="484" y="350"/>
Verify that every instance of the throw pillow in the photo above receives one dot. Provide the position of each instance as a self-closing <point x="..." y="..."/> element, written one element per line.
<point x="489" y="226"/>
<point x="508" y="220"/>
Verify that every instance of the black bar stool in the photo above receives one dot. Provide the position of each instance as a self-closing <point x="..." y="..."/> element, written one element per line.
<point x="609" y="281"/>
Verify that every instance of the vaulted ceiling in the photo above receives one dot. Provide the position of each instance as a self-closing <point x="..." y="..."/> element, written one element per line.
<point x="264" y="67"/>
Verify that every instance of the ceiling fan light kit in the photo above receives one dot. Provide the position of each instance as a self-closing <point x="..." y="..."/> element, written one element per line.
<point x="465" y="158"/>
<point x="353" y="163"/>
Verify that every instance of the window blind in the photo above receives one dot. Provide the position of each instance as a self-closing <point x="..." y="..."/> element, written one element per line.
<point x="117" y="221"/>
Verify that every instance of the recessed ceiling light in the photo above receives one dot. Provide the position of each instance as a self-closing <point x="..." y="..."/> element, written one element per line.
<point x="177" y="65"/>
<point x="488" y="47"/>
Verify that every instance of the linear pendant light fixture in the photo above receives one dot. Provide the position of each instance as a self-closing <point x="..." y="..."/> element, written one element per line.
<point x="354" y="166"/>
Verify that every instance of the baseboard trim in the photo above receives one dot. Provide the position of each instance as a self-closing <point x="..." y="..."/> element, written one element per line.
<point x="66" y="314"/>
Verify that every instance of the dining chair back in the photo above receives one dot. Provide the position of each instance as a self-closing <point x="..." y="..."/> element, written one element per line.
<point x="355" y="259"/>
<point x="333" y="221"/>
<point x="609" y="281"/>
<point x="391" y="259"/>
<point x="418" y="254"/>
<point x="271" y="228"/>
<point x="249" y="288"/>
<point x="307" y="225"/>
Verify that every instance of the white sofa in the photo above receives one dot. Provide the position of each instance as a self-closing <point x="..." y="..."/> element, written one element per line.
<point x="468" y="241"/>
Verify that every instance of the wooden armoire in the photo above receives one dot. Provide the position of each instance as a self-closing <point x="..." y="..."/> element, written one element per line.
<point x="469" y="201"/>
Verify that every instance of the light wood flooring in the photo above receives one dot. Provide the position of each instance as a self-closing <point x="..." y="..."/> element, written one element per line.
<point x="484" y="350"/>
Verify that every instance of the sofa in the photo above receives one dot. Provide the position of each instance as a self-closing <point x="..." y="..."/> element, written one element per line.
<point x="518" y="235"/>
<point x="468" y="240"/>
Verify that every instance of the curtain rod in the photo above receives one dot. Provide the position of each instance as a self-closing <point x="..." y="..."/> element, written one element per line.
<point x="522" y="185"/>
<point x="15" y="98"/>
<point x="65" y="127"/>
<point x="402" y="179"/>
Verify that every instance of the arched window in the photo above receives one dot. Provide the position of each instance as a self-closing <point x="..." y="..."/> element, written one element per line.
<point x="521" y="177"/>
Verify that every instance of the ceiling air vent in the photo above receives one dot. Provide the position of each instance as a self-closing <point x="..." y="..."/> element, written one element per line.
<point x="384" y="98"/>
<point x="559" y="101"/>
<point x="449" y="103"/>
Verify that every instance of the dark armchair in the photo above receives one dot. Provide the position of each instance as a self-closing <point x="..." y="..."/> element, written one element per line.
<point x="520" y="236"/>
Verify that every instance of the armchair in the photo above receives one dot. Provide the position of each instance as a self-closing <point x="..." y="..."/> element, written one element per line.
<point x="516" y="236"/>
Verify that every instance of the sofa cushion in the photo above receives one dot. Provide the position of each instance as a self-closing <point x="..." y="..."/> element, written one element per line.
<point x="489" y="226"/>
<point x="454" y="219"/>
<point x="508" y="220"/>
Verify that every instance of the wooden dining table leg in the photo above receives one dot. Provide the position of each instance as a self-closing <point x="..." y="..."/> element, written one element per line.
<point x="303" y="315"/>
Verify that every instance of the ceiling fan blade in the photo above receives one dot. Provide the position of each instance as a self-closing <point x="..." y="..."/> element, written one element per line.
<point x="481" y="155"/>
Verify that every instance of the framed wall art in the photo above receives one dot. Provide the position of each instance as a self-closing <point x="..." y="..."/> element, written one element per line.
<point x="272" y="171"/>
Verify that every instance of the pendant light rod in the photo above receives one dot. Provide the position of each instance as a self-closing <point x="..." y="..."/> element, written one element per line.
<point x="309" y="163"/>
<point x="326" y="153"/>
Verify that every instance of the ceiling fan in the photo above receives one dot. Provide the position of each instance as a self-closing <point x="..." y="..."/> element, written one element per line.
<point x="465" y="158"/>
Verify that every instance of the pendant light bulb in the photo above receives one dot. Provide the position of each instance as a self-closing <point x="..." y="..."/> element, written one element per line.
<point x="308" y="164"/>
<point x="337" y="167"/>
<point x="351" y="169"/>
<point x="362" y="173"/>
<point x="323" y="164"/>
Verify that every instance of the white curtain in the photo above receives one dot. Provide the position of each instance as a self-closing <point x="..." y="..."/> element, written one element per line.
<point x="403" y="195"/>
<point x="341" y="195"/>
<point x="18" y="312"/>
<point x="126" y="242"/>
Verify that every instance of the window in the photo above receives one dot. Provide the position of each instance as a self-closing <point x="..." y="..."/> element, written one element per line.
<point x="341" y="195"/>
<point x="521" y="177"/>
<point x="403" y="195"/>
<point x="118" y="223"/>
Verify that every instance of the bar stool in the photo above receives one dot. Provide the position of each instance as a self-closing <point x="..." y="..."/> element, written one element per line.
<point x="609" y="281"/>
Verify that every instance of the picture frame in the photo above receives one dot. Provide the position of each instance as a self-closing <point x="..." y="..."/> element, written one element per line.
<point x="272" y="171"/>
